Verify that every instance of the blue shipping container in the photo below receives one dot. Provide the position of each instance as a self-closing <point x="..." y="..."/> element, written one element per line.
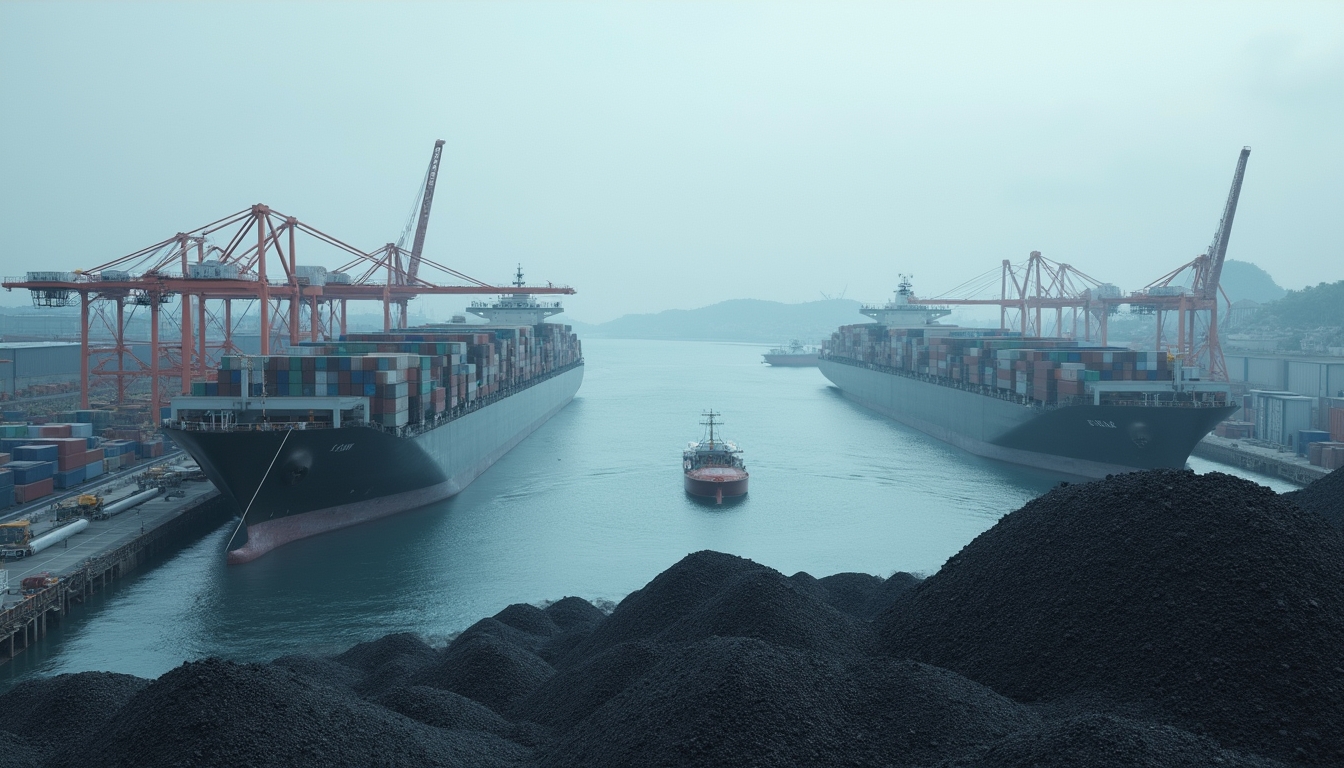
<point x="37" y="453"/>
<point x="26" y="472"/>
<point x="69" y="478"/>
<point x="6" y="478"/>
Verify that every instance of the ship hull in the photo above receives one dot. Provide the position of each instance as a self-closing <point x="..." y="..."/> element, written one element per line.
<point x="1079" y="440"/>
<point x="299" y="483"/>
<point x="718" y="487"/>
<point x="792" y="361"/>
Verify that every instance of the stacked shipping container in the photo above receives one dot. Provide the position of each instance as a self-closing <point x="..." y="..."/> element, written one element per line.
<point x="36" y="460"/>
<point x="410" y="376"/>
<point x="1047" y="370"/>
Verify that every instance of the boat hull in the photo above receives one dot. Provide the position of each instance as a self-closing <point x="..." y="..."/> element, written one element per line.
<point x="718" y="485"/>
<point x="792" y="361"/>
<point x="1080" y="440"/>
<point x="289" y="485"/>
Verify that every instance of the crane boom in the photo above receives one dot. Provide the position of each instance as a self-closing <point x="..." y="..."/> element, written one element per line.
<point x="426" y="201"/>
<point x="1218" y="248"/>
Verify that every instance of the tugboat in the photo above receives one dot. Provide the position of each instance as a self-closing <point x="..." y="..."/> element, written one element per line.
<point x="795" y="355"/>
<point x="713" y="467"/>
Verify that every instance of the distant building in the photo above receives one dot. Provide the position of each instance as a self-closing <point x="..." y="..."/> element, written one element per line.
<point x="26" y="363"/>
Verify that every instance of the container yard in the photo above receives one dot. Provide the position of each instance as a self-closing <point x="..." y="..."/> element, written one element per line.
<point x="56" y="555"/>
<point x="1283" y="433"/>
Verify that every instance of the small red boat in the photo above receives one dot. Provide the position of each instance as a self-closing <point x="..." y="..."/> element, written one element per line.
<point x="713" y="468"/>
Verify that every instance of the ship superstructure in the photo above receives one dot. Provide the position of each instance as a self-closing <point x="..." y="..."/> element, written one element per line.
<point x="904" y="310"/>
<point x="516" y="308"/>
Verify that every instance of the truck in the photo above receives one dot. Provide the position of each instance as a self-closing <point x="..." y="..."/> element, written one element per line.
<point x="15" y="534"/>
<point x="36" y="583"/>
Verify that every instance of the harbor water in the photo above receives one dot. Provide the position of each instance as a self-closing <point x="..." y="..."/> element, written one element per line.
<point x="590" y="505"/>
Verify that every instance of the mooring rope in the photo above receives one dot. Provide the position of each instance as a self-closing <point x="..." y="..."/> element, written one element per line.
<point x="243" y="519"/>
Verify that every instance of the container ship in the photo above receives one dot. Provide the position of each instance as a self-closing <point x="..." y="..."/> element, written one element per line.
<point x="713" y="468"/>
<point x="793" y="356"/>
<point x="338" y="433"/>
<point x="1050" y="403"/>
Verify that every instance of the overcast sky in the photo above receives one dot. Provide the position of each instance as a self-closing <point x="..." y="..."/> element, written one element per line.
<point x="672" y="155"/>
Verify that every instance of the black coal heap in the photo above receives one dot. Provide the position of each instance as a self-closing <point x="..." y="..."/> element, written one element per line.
<point x="1150" y="619"/>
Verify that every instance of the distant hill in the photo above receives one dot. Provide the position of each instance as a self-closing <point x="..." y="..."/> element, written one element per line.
<point x="1310" y="307"/>
<point x="1310" y="320"/>
<point x="750" y="320"/>
<point x="1244" y="280"/>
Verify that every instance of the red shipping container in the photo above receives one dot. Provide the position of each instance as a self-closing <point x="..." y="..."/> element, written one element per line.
<point x="91" y="457"/>
<point x="4" y="459"/>
<point x="65" y="445"/>
<point x="25" y="493"/>
<point x="1337" y="424"/>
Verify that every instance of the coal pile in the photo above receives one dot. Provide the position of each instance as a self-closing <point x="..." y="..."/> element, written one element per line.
<point x="861" y="595"/>
<point x="218" y="713"/>
<point x="19" y="752"/>
<point x="577" y="691"/>
<point x="487" y="669"/>
<point x="745" y="702"/>
<point x="1325" y="497"/>
<point x="1156" y="619"/>
<point x="1207" y="602"/>
<point x="1103" y="741"/>
<point x="710" y="594"/>
<point x="53" y="711"/>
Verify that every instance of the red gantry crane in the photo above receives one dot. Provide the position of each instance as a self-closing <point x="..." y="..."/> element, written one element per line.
<point x="251" y="257"/>
<point x="1196" y="305"/>
<point x="1039" y="285"/>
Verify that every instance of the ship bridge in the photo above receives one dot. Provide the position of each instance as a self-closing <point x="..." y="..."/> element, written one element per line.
<point x="516" y="308"/>
<point x="904" y="311"/>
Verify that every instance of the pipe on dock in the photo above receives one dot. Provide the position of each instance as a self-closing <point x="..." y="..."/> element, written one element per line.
<point x="56" y="536"/>
<point x="116" y="508"/>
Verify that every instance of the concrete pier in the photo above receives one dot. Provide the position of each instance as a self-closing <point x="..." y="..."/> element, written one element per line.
<point x="1260" y="457"/>
<point x="106" y="550"/>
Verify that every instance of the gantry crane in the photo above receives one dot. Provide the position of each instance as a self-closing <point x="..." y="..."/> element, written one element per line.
<point x="1196" y="307"/>
<point x="1026" y="290"/>
<point x="426" y="201"/>
<point x="229" y="260"/>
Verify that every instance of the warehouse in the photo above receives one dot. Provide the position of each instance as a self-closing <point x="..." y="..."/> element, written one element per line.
<point x="26" y="363"/>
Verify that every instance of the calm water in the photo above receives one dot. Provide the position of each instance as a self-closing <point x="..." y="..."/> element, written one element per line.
<point x="590" y="505"/>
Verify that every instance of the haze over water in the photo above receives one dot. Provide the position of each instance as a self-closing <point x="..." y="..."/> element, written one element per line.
<point x="590" y="505"/>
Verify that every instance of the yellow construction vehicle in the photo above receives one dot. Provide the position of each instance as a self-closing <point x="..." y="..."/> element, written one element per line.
<point x="16" y="533"/>
<point x="83" y="505"/>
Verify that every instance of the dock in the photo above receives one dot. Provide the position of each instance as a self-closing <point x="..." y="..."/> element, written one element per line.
<point x="1259" y="456"/>
<point x="106" y="550"/>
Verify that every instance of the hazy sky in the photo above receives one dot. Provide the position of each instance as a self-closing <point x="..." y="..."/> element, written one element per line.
<point x="671" y="155"/>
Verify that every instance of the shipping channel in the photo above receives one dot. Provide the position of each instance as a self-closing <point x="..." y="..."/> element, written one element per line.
<point x="589" y="505"/>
